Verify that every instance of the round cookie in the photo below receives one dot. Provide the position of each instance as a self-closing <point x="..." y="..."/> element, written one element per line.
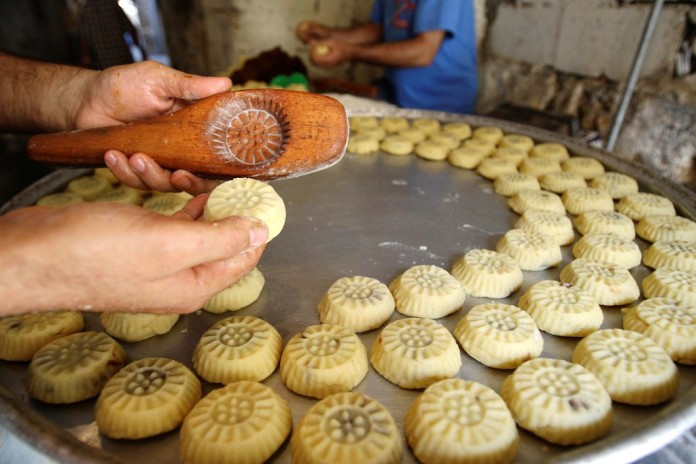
<point x="551" y="151"/>
<point x="427" y="291"/>
<point x="510" y="184"/>
<point x="641" y="204"/>
<point x="518" y="141"/>
<point x="582" y="200"/>
<point x="396" y="145"/>
<point x="394" y="124"/>
<point x="358" y="303"/>
<point x="431" y="150"/>
<point x="465" y="157"/>
<point x="487" y="273"/>
<point x="499" y="335"/>
<point x="362" y="144"/>
<point x="609" y="284"/>
<point x="587" y="167"/>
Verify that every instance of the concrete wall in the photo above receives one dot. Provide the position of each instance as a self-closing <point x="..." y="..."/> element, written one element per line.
<point x="588" y="37"/>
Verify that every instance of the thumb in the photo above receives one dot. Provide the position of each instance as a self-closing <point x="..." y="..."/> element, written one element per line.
<point x="192" y="87"/>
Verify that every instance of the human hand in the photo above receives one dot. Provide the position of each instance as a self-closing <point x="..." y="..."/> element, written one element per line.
<point x="308" y="30"/>
<point x="329" y="53"/>
<point x="141" y="91"/>
<point x="116" y="257"/>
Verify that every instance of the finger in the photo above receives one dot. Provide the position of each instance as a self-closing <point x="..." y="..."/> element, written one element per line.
<point x="150" y="173"/>
<point x="190" y="183"/>
<point x="196" y="242"/>
<point x="192" y="87"/>
<point x="117" y="162"/>
<point x="193" y="209"/>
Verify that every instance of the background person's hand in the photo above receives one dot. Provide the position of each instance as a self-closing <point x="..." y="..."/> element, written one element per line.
<point x="329" y="53"/>
<point x="309" y="30"/>
<point x="116" y="257"/>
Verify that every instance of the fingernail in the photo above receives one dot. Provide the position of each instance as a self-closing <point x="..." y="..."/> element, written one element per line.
<point x="258" y="235"/>
<point x="138" y="165"/>
<point x="110" y="159"/>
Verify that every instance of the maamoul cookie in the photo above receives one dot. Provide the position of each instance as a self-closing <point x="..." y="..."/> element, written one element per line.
<point x="427" y="125"/>
<point x="551" y="151"/>
<point x="560" y="181"/>
<point x="358" y="123"/>
<point x="519" y="141"/>
<point x="499" y="335"/>
<point x="88" y="187"/>
<point x="582" y="200"/>
<point x="147" y="397"/>
<point x="671" y="283"/>
<point x="448" y="139"/>
<point x="638" y="205"/>
<point x="556" y="225"/>
<point x="562" y="309"/>
<point x="513" y="154"/>
<point x="461" y="129"/>
<point x="587" y="167"/>
<point x="510" y="184"/>
<point x="378" y="133"/>
<point x="455" y="420"/>
<point x="393" y="124"/>
<point x="347" y="428"/>
<point x="244" y="196"/>
<point x="487" y="273"/>
<point x="671" y="323"/>
<point x="608" y="248"/>
<point x="106" y="174"/>
<point x="134" y="327"/>
<point x="60" y="199"/>
<point x="22" y="336"/>
<point x="618" y="185"/>
<point x="536" y="200"/>
<point x="121" y="194"/>
<point x="492" y="168"/>
<point x="396" y="145"/>
<point x="490" y="133"/>
<point x="663" y="228"/>
<point x="165" y="203"/>
<point x="608" y="284"/>
<point x="632" y="367"/>
<point x="431" y="150"/>
<point x="245" y="422"/>
<point x="322" y="360"/>
<point x="238" y="295"/>
<point x="675" y="255"/>
<point x="73" y="368"/>
<point x="362" y="144"/>
<point x="358" y="303"/>
<point x="485" y="146"/>
<point x="427" y="291"/>
<point x="414" y="134"/>
<point x="415" y="353"/>
<point x="533" y="251"/>
<point x="605" y="221"/>
<point x="559" y="401"/>
<point x="537" y="167"/>
<point x="237" y="348"/>
<point x="465" y="157"/>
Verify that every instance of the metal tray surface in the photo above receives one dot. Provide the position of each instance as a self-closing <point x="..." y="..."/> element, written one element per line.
<point x="373" y="215"/>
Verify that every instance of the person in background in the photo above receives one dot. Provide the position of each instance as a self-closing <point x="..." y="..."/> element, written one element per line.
<point x="107" y="37"/>
<point x="428" y="49"/>
<point x="109" y="256"/>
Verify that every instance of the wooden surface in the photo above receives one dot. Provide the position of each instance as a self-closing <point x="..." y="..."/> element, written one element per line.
<point x="265" y="134"/>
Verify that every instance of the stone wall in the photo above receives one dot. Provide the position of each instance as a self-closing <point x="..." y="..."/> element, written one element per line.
<point x="562" y="57"/>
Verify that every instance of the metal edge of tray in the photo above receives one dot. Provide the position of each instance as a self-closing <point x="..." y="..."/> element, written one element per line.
<point x="668" y="424"/>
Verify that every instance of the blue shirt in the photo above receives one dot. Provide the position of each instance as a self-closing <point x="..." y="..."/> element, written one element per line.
<point x="450" y="83"/>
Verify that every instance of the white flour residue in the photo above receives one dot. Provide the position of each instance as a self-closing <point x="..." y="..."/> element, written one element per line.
<point x="451" y="198"/>
<point x="403" y="248"/>
<point x="464" y="228"/>
<point x="487" y="190"/>
<point x="399" y="182"/>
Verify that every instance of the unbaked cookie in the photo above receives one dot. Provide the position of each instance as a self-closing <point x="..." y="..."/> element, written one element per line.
<point x="396" y="145"/>
<point x="677" y="255"/>
<point x="556" y="225"/>
<point x="427" y="291"/>
<point x="587" y="167"/>
<point x="393" y="124"/>
<point x="605" y="221"/>
<point x="465" y="157"/>
<point x="582" y="200"/>
<point x="487" y="273"/>
<point x="638" y="205"/>
<point x="415" y="353"/>
<point x="608" y="248"/>
<point x="521" y="142"/>
<point x="358" y="303"/>
<point x="537" y="167"/>
<point x="666" y="228"/>
<point x="551" y="151"/>
<point x="561" y="181"/>
<point x="609" y="284"/>
<point x="510" y="184"/>
<point x="618" y="185"/>
<point x="431" y="150"/>
<point x="362" y="144"/>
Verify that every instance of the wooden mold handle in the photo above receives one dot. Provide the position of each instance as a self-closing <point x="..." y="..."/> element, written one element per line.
<point x="263" y="133"/>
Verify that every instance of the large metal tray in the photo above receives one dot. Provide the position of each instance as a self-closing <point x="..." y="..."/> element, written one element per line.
<point x="373" y="215"/>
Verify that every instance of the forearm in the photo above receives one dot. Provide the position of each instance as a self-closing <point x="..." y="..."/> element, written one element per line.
<point x="369" y="33"/>
<point x="37" y="96"/>
<point x="406" y="53"/>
